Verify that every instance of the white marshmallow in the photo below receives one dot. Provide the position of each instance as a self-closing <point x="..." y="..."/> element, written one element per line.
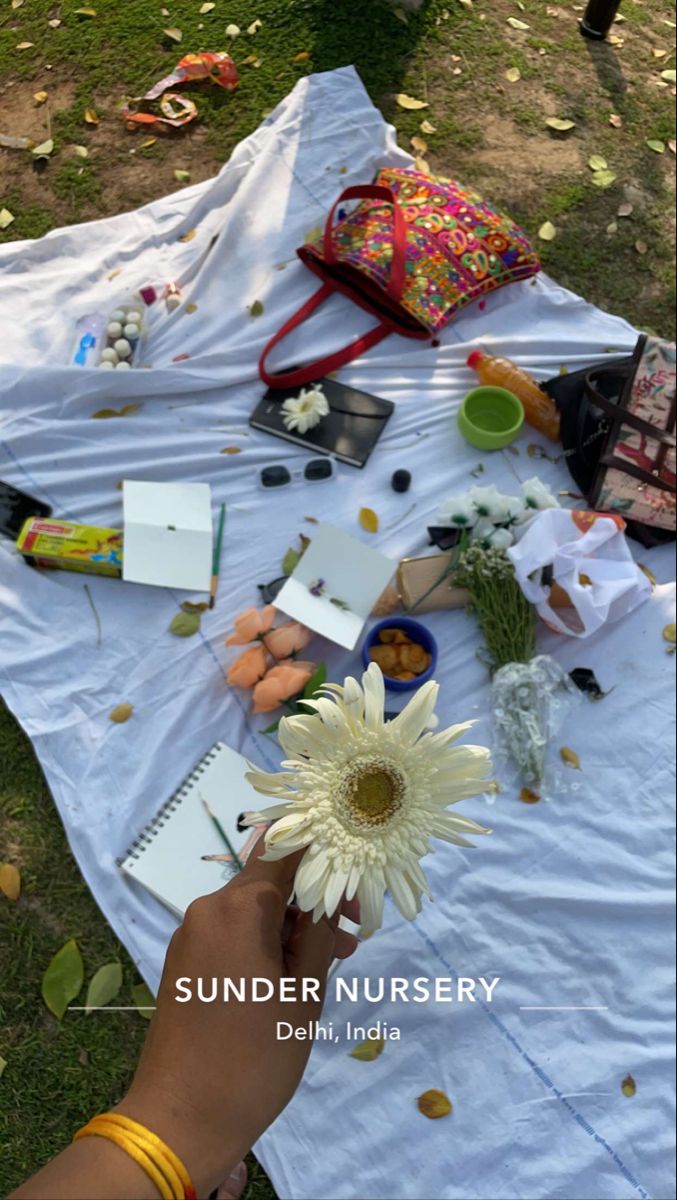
<point x="126" y="366"/>
<point x="133" y="317"/>
<point x="131" y="331"/>
<point x="109" y="355"/>
<point x="123" y="348"/>
<point x="118" y="315"/>
<point x="114" y="329"/>
<point x="106" y="365"/>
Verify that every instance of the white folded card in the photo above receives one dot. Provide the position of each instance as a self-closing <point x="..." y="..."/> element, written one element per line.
<point x="335" y="585"/>
<point x="168" y="538"/>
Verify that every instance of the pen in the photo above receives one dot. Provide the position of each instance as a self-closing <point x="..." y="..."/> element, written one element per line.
<point x="224" y="836"/>
<point x="216" y="560"/>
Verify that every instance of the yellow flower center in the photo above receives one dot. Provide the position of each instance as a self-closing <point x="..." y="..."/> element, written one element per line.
<point x="370" y="792"/>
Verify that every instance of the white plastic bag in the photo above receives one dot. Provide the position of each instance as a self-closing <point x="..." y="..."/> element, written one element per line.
<point x="589" y="559"/>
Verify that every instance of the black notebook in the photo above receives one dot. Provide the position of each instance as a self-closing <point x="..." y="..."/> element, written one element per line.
<point x="350" y="431"/>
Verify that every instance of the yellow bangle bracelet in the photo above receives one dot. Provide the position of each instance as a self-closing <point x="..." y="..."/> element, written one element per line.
<point x="161" y="1164"/>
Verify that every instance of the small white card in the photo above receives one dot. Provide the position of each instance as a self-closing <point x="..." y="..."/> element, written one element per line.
<point x="168" y="539"/>
<point x="335" y="585"/>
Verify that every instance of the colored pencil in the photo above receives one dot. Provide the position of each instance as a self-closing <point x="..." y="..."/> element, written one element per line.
<point x="216" y="560"/>
<point x="224" y="836"/>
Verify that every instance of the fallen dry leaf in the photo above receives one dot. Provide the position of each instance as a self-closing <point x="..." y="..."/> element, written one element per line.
<point x="560" y="124"/>
<point x="121" y="713"/>
<point x="612" y="227"/>
<point x="658" y="53"/>
<point x="369" y="1050"/>
<point x="311" y="520"/>
<point x="81" y="151"/>
<point x="513" y="74"/>
<point x="302" y="56"/>
<point x="3" y="1064"/>
<point x="426" y="127"/>
<point x="529" y="797"/>
<point x="256" y="309"/>
<point x="206" y="8"/>
<point x="603" y="179"/>
<point x="54" y="23"/>
<point x="547" y="232"/>
<point x="409" y="102"/>
<point x="40" y="97"/>
<point x="625" y="210"/>
<point x="570" y="758"/>
<point x="657" y="146"/>
<point x="418" y="144"/>
<point x="24" y="45"/>
<point x="84" y="12"/>
<point x="641" y="247"/>
<point x="198" y="606"/>
<point x="616" y="121"/>
<point x="174" y="35"/>
<point x="670" y="76"/>
<point x="672" y="146"/>
<point x="368" y="520"/>
<point x="91" y="116"/>
<point x="190" y="308"/>
<point x="231" y="450"/>
<point x="434" y="1104"/>
<point x="6" y="218"/>
<point x="232" y="31"/>
<point x="45" y="148"/>
<point x="185" y="624"/>
<point x="103" y="987"/>
<point x="628" y="1086"/>
<point x="669" y="633"/>
<point x="254" y="27"/>
<point x="63" y="978"/>
<point x="105" y="414"/>
<point x="17" y="3"/>
<point x="515" y="23"/>
<point x="181" y="176"/>
<point x="10" y="881"/>
<point x="422" y="166"/>
<point x="144" y="1000"/>
<point x="615" y="40"/>
<point x="188" y="235"/>
<point x="597" y="163"/>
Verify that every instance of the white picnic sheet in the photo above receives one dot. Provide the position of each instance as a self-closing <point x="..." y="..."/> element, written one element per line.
<point x="569" y="901"/>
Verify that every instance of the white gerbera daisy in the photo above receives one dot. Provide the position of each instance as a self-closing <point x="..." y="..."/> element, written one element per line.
<point x="305" y="411"/>
<point x="364" y="797"/>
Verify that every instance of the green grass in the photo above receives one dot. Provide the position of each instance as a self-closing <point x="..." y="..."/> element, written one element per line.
<point x="59" y="1073"/>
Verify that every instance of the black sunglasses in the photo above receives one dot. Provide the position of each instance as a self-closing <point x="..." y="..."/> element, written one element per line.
<point x="315" y="471"/>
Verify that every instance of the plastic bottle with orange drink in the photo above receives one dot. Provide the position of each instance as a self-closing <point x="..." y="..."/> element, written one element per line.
<point x="539" y="409"/>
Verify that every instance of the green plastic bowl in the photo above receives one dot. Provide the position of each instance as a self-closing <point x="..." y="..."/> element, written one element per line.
<point x="490" y="418"/>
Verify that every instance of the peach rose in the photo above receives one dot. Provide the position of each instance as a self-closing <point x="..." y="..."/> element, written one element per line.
<point x="281" y="682"/>
<point x="287" y="639"/>
<point x="248" y="668"/>
<point x="251" y="624"/>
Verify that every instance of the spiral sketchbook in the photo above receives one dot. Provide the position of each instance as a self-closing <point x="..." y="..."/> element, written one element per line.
<point x="166" y="857"/>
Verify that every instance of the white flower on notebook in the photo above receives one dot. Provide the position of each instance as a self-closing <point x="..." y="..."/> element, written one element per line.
<point x="364" y="796"/>
<point x="305" y="411"/>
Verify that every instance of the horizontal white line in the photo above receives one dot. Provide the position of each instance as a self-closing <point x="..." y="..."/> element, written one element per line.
<point x="564" y="1007"/>
<point x="111" y="1007"/>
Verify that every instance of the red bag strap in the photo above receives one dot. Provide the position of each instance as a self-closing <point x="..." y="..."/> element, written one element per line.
<point x="322" y="366"/>
<point x="374" y="191"/>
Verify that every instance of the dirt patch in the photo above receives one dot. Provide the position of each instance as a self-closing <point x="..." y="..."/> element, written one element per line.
<point x="116" y="176"/>
<point x="507" y="149"/>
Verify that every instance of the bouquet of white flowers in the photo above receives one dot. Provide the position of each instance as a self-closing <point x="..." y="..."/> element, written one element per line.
<point x="530" y="693"/>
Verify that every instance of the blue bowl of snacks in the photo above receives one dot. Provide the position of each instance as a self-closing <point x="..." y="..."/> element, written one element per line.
<point x="405" y="651"/>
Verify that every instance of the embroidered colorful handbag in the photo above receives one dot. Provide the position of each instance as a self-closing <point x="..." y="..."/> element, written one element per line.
<point x="414" y="251"/>
<point x="635" y="475"/>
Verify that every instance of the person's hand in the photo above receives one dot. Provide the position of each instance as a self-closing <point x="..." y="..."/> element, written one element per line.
<point x="213" y="1076"/>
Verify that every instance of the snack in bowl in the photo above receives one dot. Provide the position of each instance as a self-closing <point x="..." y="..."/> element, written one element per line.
<point x="403" y="649"/>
